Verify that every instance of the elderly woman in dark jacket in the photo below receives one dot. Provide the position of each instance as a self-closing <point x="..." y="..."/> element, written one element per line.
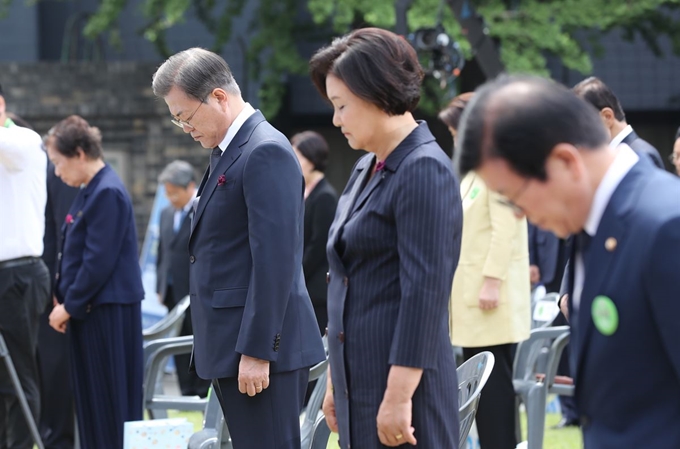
<point x="98" y="287"/>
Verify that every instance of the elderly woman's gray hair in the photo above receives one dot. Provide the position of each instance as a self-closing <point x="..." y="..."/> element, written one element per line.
<point x="197" y="72"/>
<point x="177" y="173"/>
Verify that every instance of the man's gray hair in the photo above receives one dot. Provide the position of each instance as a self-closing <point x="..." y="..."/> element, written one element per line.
<point x="197" y="72"/>
<point x="177" y="173"/>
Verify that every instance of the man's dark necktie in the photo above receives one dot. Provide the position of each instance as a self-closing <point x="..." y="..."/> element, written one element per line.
<point x="584" y="240"/>
<point x="215" y="158"/>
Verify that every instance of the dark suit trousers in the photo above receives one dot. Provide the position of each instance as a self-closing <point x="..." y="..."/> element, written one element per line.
<point x="496" y="412"/>
<point x="24" y="292"/>
<point x="189" y="382"/>
<point x="57" y="415"/>
<point x="268" y="420"/>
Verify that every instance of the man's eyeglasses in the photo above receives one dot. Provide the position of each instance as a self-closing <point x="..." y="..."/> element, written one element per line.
<point x="183" y="123"/>
<point x="673" y="157"/>
<point x="510" y="202"/>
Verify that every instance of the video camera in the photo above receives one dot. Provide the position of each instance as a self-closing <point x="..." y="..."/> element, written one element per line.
<point x="445" y="59"/>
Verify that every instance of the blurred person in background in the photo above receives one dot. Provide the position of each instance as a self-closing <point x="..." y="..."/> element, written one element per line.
<point x="321" y="199"/>
<point x="98" y="287"/>
<point x="172" y="275"/>
<point x="597" y="93"/>
<point x="675" y="155"/>
<point x="490" y="299"/>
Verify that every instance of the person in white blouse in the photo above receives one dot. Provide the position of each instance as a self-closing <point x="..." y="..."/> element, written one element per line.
<point x="24" y="277"/>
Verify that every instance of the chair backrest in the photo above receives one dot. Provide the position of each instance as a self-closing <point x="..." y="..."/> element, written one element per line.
<point x="472" y="376"/>
<point x="532" y="354"/>
<point x="170" y="325"/>
<point x="319" y="372"/>
<point x="320" y="435"/>
<point x="544" y="310"/>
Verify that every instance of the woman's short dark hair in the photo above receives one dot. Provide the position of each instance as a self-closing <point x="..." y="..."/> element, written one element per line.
<point x="376" y="65"/>
<point x="452" y="113"/>
<point x="521" y="119"/>
<point x="597" y="93"/>
<point x="677" y="133"/>
<point x="72" y="133"/>
<point x="313" y="147"/>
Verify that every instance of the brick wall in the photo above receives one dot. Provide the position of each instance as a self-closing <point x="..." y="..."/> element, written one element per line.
<point x="117" y="98"/>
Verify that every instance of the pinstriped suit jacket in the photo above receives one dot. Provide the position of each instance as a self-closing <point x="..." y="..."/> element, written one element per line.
<point x="392" y="250"/>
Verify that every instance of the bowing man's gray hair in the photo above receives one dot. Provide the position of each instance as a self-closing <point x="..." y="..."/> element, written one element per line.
<point x="177" y="173"/>
<point x="197" y="72"/>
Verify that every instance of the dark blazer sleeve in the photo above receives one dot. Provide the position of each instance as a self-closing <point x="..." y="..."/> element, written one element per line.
<point x="663" y="284"/>
<point x="428" y="218"/>
<point x="322" y="214"/>
<point x="273" y="191"/>
<point x="533" y="250"/>
<point x="109" y="215"/>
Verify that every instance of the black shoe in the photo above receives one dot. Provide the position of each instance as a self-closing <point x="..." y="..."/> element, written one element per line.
<point x="566" y="423"/>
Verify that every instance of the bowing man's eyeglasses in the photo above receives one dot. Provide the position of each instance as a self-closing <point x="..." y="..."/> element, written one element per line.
<point x="183" y="123"/>
<point x="510" y="201"/>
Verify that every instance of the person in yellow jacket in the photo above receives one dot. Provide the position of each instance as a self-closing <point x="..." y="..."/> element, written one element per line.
<point x="490" y="298"/>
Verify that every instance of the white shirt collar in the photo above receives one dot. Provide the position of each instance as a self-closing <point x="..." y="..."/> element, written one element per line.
<point x="236" y="125"/>
<point x="616" y="141"/>
<point x="624" y="161"/>
<point x="189" y="203"/>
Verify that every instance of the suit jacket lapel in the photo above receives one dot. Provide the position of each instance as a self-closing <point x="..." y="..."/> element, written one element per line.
<point x="370" y="186"/>
<point x="230" y="155"/>
<point x="346" y="202"/>
<point x="601" y="255"/>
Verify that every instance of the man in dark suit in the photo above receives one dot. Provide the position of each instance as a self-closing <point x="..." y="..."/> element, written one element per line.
<point x="548" y="256"/>
<point x="597" y="93"/>
<point x="56" y="416"/>
<point x="546" y="151"/>
<point x="172" y="275"/>
<point x="255" y="334"/>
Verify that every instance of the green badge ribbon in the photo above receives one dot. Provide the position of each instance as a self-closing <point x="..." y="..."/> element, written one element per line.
<point x="473" y="194"/>
<point x="605" y="315"/>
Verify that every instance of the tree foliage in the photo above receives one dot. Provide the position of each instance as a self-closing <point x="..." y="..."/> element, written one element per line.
<point x="528" y="31"/>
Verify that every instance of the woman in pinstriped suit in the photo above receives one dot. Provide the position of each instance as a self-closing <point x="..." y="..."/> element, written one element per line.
<point x="393" y="248"/>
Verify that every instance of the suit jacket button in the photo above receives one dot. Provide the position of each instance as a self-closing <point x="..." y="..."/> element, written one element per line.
<point x="56" y="276"/>
<point x="345" y="281"/>
<point x="328" y="277"/>
<point x="192" y="259"/>
<point x="59" y="256"/>
<point x="341" y="337"/>
<point x="346" y="393"/>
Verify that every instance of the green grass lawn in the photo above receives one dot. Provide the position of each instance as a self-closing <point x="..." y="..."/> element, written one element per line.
<point x="569" y="438"/>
